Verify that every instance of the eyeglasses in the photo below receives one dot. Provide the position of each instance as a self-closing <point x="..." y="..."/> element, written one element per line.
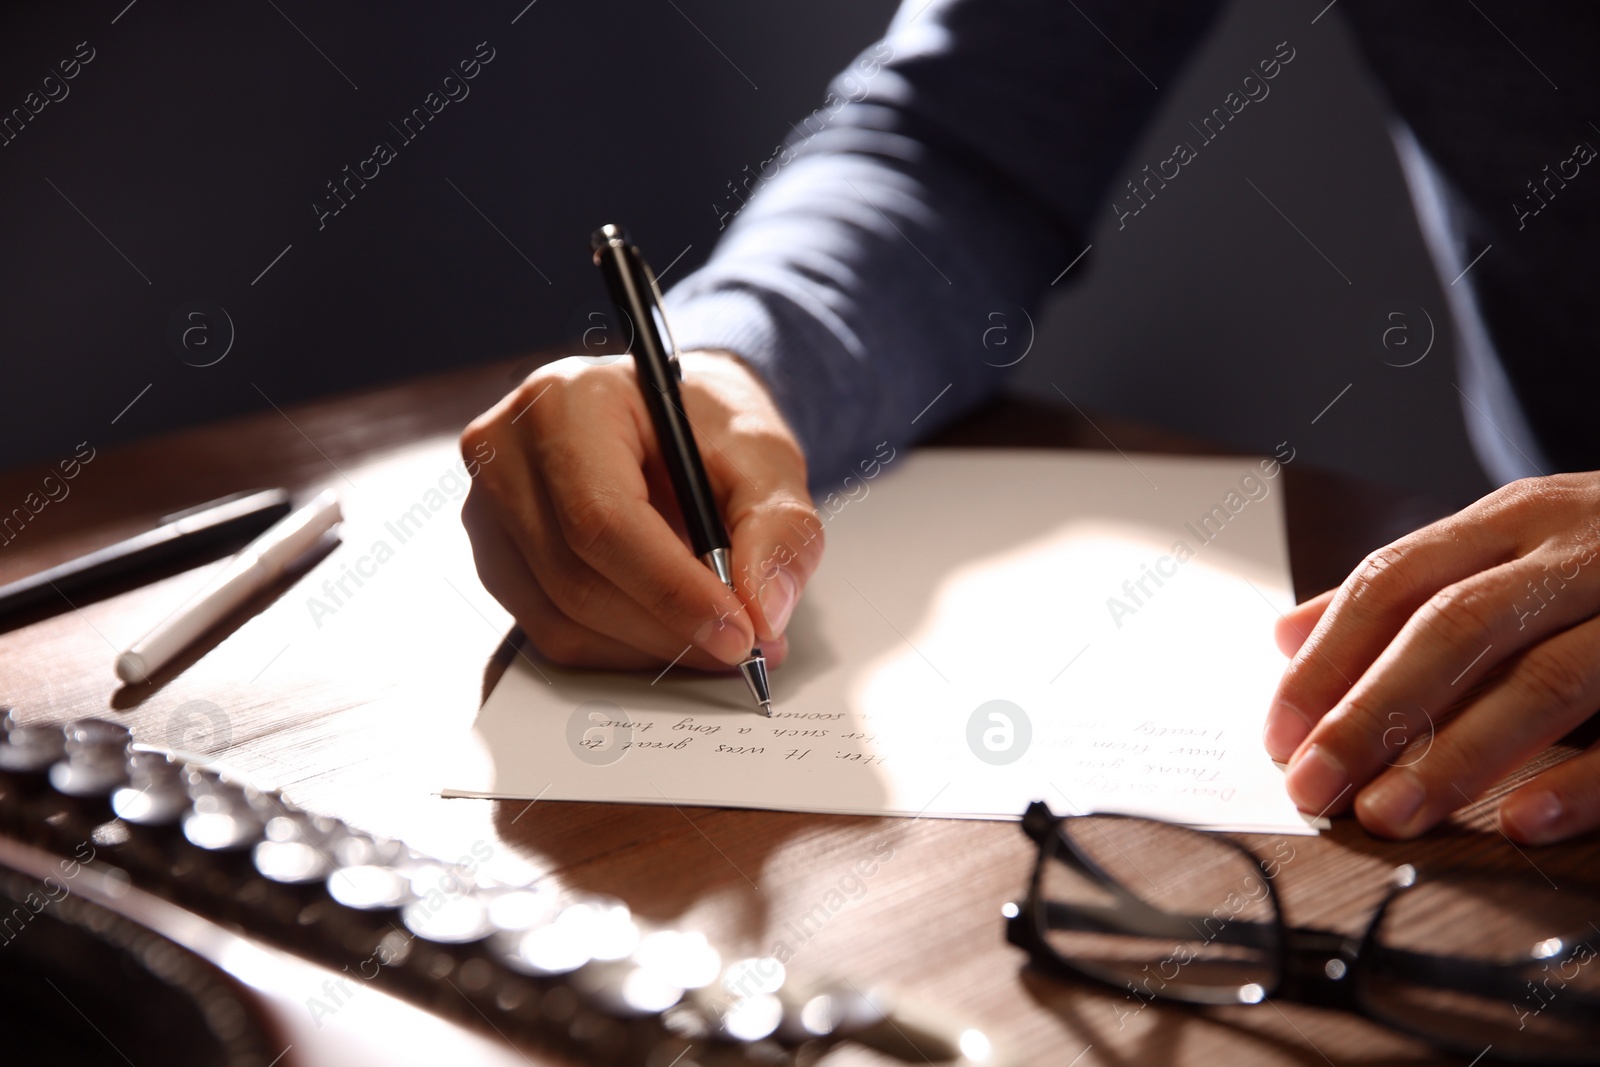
<point x="1469" y="962"/>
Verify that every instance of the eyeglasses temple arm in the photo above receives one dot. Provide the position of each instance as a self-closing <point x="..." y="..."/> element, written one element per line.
<point x="1499" y="980"/>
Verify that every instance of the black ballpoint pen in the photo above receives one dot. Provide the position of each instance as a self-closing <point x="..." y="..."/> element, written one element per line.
<point x="235" y="518"/>
<point x="635" y="293"/>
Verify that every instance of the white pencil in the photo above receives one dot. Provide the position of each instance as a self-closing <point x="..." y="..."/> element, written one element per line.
<point x="258" y="565"/>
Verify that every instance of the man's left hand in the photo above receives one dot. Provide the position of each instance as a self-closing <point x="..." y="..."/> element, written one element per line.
<point x="1445" y="661"/>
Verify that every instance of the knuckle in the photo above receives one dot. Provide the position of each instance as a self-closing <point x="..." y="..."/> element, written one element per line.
<point x="1534" y="490"/>
<point x="1513" y="490"/>
<point x="545" y="378"/>
<point x="572" y="377"/>
<point x="800" y="523"/>
<point x="478" y="435"/>
<point x="1359" y="729"/>
<point x="535" y="404"/>
<point x="545" y="397"/>
<point x="589" y="521"/>
<point x="1360" y="714"/>
<point x="552" y="373"/>
<point x="1378" y="578"/>
<point x="759" y="433"/>
<point x="578" y="595"/>
<point x="1554" y="678"/>
<point x="1458" y="614"/>
<point x="1518" y="502"/>
<point x="1513" y="496"/>
<point x="787" y="510"/>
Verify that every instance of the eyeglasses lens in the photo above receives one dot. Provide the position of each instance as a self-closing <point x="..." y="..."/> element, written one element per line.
<point x="1158" y="910"/>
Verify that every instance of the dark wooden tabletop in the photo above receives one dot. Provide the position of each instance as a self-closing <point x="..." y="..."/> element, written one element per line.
<point x="343" y="710"/>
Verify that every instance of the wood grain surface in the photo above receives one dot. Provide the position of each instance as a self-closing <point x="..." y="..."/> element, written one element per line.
<point x="345" y="709"/>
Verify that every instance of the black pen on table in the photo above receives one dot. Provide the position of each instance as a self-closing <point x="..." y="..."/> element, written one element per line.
<point x="232" y="518"/>
<point x="635" y="292"/>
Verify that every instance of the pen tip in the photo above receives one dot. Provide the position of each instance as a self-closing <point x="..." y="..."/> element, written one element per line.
<point x="754" y="670"/>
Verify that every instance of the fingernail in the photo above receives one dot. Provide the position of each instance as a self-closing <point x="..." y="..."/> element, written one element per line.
<point x="1393" y="802"/>
<point x="722" y="639"/>
<point x="1316" y="780"/>
<point x="1533" y="815"/>
<point x="1287" y="726"/>
<point x="783" y="594"/>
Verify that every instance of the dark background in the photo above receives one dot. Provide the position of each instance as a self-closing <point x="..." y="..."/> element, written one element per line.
<point x="190" y="150"/>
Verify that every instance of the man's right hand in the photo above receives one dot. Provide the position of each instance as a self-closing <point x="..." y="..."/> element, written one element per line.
<point x="576" y="532"/>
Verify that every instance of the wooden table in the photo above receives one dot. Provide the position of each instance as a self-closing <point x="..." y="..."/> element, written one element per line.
<point x="343" y="710"/>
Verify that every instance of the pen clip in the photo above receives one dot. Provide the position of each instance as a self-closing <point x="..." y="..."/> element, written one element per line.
<point x="228" y="508"/>
<point x="659" y="311"/>
<point x="200" y="509"/>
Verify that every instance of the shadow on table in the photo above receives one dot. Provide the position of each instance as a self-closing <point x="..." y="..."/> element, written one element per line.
<point x="1471" y="840"/>
<point x="1136" y="1034"/>
<point x="130" y="696"/>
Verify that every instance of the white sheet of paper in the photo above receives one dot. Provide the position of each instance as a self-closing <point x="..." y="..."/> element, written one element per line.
<point x="1134" y="680"/>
